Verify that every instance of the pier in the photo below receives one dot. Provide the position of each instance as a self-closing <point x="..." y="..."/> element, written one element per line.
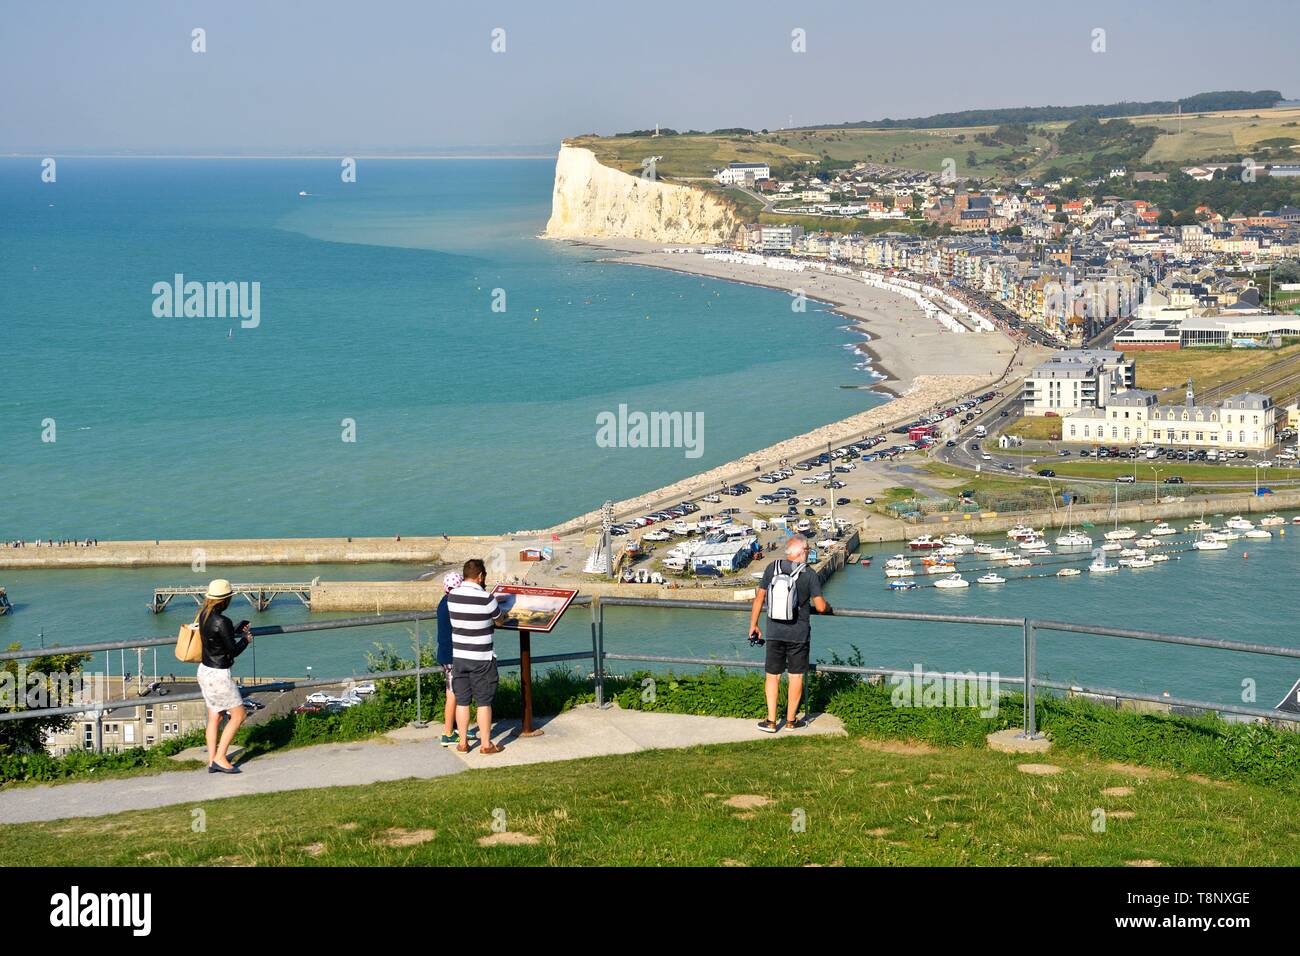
<point x="259" y="596"/>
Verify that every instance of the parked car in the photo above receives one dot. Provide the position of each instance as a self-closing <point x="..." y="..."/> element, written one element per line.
<point x="1174" y="480"/>
<point x="1046" y="473"/>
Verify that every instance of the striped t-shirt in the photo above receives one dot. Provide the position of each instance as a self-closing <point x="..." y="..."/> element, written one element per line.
<point x="472" y="611"/>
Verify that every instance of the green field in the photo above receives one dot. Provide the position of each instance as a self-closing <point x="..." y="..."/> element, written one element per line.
<point x="1191" y="138"/>
<point x="1036" y="428"/>
<point x="1207" y="368"/>
<point x="847" y="801"/>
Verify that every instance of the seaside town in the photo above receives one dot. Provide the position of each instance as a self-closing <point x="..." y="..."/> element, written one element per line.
<point x="1067" y="269"/>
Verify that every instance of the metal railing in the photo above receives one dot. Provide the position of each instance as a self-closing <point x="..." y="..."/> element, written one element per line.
<point x="1028" y="629"/>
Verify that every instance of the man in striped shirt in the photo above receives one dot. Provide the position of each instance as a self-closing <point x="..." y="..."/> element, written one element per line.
<point x="474" y="616"/>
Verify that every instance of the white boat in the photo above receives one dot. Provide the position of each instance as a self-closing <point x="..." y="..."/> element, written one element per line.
<point x="924" y="543"/>
<point x="950" y="551"/>
<point x="1029" y="542"/>
<point x="1073" y="539"/>
<point x="1142" y="563"/>
<point x="1101" y="567"/>
<point x="1001" y="554"/>
<point x="1238" y="523"/>
<point x="1133" y="553"/>
<point x="990" y="578"/>
<point x="894" y="568"/>
<point x="1121" y="534"/>
<point x="940" y="568"/>
<point x="958" y="540"/>
<point x="1226" y="534"/>
<point x="1019" y="563"/>
<point x="985" y="549"/>
<point x="660" y="535"/>
<point x="1197" y="526"/>
<point x="1146" y="541"/>
<point x="1111" y="546"/>
<point x="1210" y="543"/>
<point x="1296" y="520"/>
<point x="1259" y="533"/>
<point x="956" y="581"/>
<point x="1158" y="557"/>
<point x="1020" y="531"/>
<point x="1271" y="520"/>
<point x="1162" y="529"/>
<point x="1068" y="573"/>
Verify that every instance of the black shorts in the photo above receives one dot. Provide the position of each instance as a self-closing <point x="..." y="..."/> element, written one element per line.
<point x="785" y="656"/>
<point x="474" y="680"/>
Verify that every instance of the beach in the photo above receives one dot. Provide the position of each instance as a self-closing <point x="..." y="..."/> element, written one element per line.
<point x="901" y="343"/>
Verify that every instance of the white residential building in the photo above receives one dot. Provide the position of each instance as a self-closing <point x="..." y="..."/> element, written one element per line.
<point x="1246" y="421"/>
<point x="1076" y="378"/>
<point x="741" y="173"/>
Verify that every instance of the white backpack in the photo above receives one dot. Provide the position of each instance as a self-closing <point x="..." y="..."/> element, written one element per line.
<point x="782" y="593"/>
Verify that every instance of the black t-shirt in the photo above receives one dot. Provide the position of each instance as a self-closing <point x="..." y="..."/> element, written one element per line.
<point x="806" y="587"/>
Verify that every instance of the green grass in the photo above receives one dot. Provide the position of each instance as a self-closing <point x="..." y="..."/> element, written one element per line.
<point x="942" y="798"/>
<point x="1039" y="429"/>
<point x="1207" y="368"/>
<point x="859" y="804"/>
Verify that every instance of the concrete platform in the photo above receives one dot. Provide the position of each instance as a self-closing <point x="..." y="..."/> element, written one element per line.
<point x="588" y="731"/>
<point x="1011" y="742"/>
<point x="402" y="754"/>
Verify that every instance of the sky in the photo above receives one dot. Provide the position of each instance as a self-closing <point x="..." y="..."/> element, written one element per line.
<point x="287" y="76"/>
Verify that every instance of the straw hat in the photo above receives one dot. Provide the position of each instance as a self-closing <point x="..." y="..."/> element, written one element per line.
<point x="218" y="589"/>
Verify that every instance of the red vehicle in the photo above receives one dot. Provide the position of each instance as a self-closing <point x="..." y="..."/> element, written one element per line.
<point x="917" y="432"/>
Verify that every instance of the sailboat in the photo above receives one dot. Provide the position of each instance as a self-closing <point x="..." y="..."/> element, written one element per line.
<point x="1119" y="534"/>
<point x="1072" y="538"/>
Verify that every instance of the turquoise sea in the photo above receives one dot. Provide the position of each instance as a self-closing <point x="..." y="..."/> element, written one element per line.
<point x="376" y="306"/>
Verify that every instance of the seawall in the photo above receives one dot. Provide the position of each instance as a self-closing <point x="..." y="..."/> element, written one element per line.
<point x="161" y="553"/>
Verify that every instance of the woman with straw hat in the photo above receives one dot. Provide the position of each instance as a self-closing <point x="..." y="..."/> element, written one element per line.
<point x="222" y="643"/>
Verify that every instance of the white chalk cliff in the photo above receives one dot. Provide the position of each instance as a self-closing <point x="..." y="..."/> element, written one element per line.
<point x="594" y="201"/>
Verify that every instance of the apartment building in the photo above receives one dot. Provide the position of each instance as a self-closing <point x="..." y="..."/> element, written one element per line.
<point x="1075" y="379"/>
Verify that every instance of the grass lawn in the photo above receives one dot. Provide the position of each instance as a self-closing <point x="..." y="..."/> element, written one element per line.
<point x="862" y="802"/>
<point x="991" y="488"/>
<point x="1205" y="367"/>
<point x="1189" y="472"/>
<point x="1035" y="428"/>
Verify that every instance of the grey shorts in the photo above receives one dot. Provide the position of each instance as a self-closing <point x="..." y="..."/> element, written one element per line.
<point x="474" y="680"/>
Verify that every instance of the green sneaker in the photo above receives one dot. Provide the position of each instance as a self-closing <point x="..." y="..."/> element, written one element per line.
<point x="472" y="733"/>
<point x="450" y="739"/>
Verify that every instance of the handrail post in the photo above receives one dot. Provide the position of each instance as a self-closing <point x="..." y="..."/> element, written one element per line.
<point x="598" y="647"/>
<point x="1030" y="731"/>
<point x="99" y="731"/>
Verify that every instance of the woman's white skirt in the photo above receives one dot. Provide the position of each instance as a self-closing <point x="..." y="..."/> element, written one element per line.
<point x="220" y="692"/>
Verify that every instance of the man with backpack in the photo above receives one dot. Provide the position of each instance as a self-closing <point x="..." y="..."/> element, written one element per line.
<point x="791" y="591"/>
